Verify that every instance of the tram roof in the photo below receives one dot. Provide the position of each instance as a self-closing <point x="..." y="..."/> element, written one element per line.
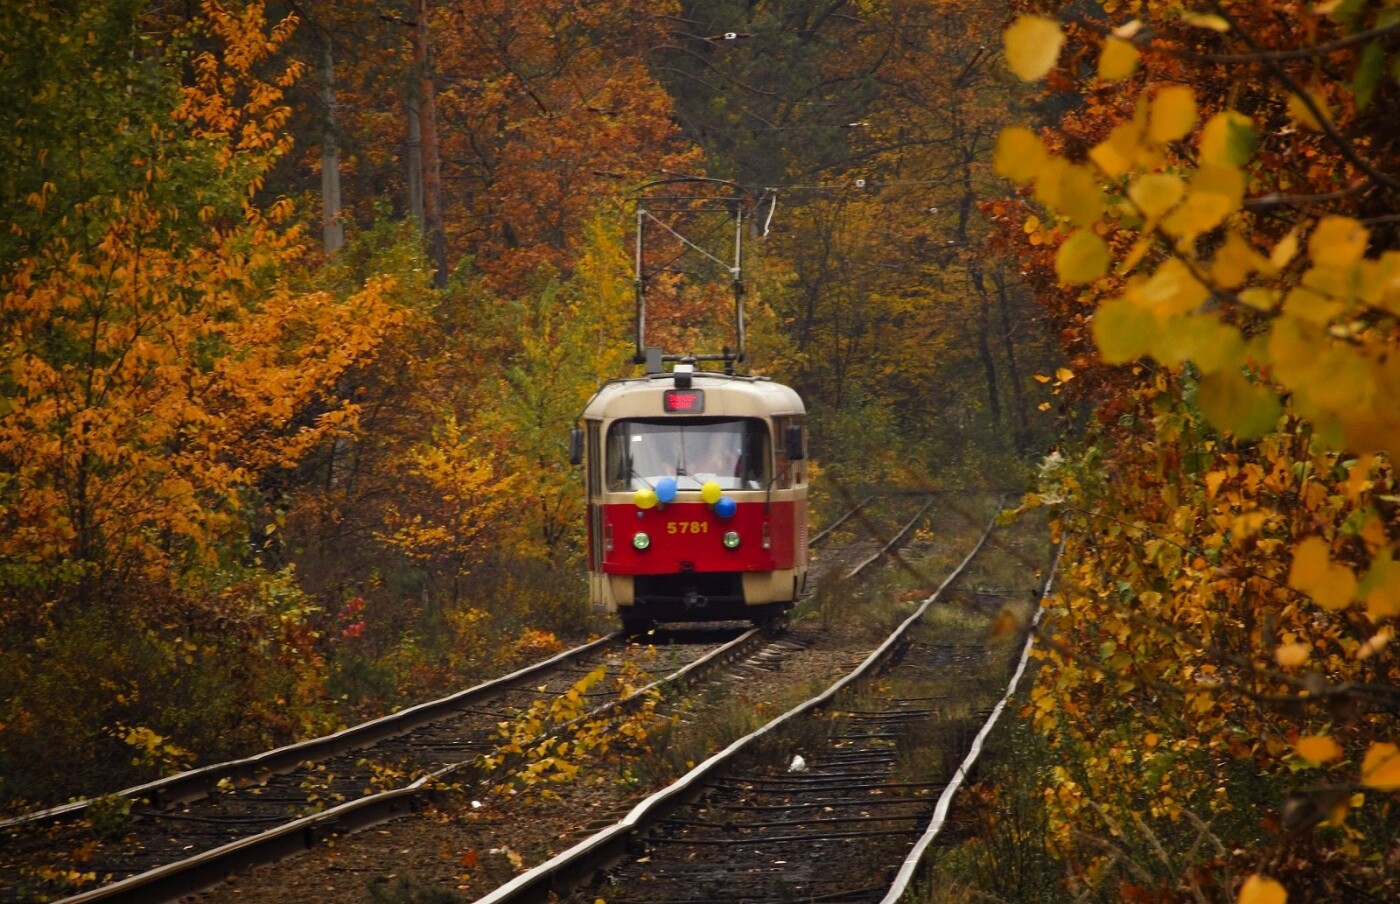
<point x="726" y="395"/>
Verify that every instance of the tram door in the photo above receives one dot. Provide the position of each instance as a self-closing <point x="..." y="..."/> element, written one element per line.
<point x="594" y="469"/>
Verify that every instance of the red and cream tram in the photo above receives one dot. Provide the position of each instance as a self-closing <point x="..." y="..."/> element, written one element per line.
<point x="697" y="497"/>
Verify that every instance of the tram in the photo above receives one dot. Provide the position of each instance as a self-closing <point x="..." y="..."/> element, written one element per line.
<point x="697" y="497"/>
<point x="696" y="479"/>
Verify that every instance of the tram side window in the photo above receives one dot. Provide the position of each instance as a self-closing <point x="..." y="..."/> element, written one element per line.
<point x="790" y="473"/>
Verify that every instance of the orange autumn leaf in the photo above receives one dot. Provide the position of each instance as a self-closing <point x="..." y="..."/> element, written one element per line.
<point x="1259" y="889"/>
<point x="1317" y="748"/>
<point x="1381" y="767"/>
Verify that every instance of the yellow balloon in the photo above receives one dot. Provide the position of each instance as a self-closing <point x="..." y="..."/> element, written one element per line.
<point x="645" y="498"/>
<point x="710" y="492"/>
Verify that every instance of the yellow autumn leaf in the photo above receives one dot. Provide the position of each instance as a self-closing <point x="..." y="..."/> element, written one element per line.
<point x="1380" y="588"/>
<point x="1116" y="153"/>
<point x="1215" y="193"/>
<point x="1135" y="254"/>
<point x="1299" y="111"/>
<point x="1123" y="330"/>
<point x="1173" y="290"/>
<point x="1049" y="182"/>
<point x="1381" y="767"/>
<point x="1064" y="374"/>
<point x="1019" y="155"/>
<point x="1234" y="261"/>
<point x="1234" y="404"/>
<point x="1293" y="346"/>
<point x="1291" y="655"/>
<point x="1082" y="259"/>
<point x="1375" y="643"/>
<point x="1247" y="525"/>
<point x="1206" y="20"/>
<point x="1317" y="748"/>
<point x="1227" y="139"/>
<point x="1201" y="339"/>
<point x="1259" y="889"/>
<point x="1261" y="299"/>
<point x="1118" y="60"/>
<point x="1312" y="307"/>
<point x="1226" y="182"/>
<point x="1338" y="242"/>
<point x="1330" y="585"/>
<point x="1173" y="113"/>
<point x="1032" y="46"/>
<point x="1285" y="250"/>
<point x="1383" y="288"/>
<point x="1081" y="200"/>
<point x="1157" y="193"/>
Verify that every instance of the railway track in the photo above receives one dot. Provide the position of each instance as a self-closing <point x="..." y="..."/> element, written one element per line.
<point x="192" y="830"/>
<point x="188" y="831"/>
<point x="835" y="800"/>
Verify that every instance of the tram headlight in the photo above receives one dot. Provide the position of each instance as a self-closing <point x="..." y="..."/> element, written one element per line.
<point x="731" y="540"/>
<point x="640" y="540"/>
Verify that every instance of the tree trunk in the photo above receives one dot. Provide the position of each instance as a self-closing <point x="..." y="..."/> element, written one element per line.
<point x="332" y="229"/>
<point x="415" y="161"/>
<point x="984" y="342"/>
<point x="432" y="168"/>
<point x="1013" y="369"/>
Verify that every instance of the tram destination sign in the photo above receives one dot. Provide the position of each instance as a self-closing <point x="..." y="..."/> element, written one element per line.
<point x="684" y="401"/>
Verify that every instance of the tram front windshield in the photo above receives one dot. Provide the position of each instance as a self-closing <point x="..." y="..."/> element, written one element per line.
<point x="733" y="452"/>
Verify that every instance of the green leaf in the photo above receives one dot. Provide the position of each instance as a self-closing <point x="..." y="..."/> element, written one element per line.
<point x="1368" y="74"/>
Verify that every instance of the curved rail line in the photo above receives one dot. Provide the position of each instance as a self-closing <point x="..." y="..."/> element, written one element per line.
<point x="564" y="872"/>
<point x="198" y="783"/>
<point x="909" y="869"/>
<point x="206" y="868"/>
<point x="833" y="526"/>
<point x="203" y="870"/>
<point x="894" y="541"/>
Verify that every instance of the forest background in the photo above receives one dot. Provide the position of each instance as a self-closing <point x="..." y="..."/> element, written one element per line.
<point x="300" y="300"/>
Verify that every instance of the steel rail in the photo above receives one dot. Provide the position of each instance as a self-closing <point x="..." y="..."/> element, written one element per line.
<point x="831" y="528"/>
<point x="208" y="868"/>
<point x="563" y="872"/>
<point x="909" y="868"/>
<point x="199" y="783"/>
<point x="894" y="541"/>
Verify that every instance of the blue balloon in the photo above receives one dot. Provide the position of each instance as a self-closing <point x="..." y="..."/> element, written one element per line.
<point x="725" y="507"/>
<point x="666" y="489"/>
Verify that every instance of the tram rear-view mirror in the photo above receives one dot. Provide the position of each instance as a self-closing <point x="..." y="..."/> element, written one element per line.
<point x="793" y="442"/>
<point x="576" y="446"/>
